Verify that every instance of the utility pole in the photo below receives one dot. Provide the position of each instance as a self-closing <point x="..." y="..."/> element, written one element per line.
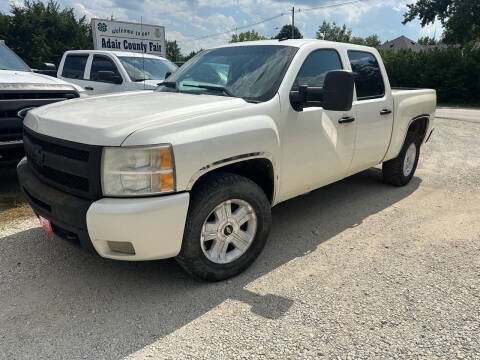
<point x="293" y="22"/>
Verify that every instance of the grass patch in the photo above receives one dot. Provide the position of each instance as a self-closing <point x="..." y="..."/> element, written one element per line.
<point x="12" y="204"/>
<point x="14" y="209"/>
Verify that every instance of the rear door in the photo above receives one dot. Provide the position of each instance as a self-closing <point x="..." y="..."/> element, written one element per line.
<point x="97" y="85"/>
<point x="374" y="110"/>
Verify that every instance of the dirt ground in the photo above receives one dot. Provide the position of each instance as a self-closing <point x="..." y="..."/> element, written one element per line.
<point x="355" y="270"/>
<point x="12" y="203"/>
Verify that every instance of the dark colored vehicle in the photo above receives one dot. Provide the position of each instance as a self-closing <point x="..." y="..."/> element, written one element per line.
<point x="21" y="90"/>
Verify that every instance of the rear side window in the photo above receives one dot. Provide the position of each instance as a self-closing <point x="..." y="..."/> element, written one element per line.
<point x="368" y="77"/>
<point x="102" y="63"/>
<point x="74" y="66"/>
<point x="316" y="66"/>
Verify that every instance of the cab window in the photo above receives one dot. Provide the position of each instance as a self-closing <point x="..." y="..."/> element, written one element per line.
<point x="74" y="66"/>
<point x="368" y="77"/>
<point x="315" y="68"/>
<point x="102" y="63"/>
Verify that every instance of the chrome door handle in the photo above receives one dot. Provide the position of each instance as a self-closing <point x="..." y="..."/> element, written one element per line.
<point x="346" y="119"/>
<point x="385" y="112"/>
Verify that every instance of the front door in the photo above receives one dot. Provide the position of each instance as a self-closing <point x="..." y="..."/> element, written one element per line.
<point x="317" y="148"/>
<point x="97" y="85"/>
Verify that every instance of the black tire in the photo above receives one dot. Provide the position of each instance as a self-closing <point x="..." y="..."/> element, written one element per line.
<point x="393" y="169"/>
<point x="207" y="195"/>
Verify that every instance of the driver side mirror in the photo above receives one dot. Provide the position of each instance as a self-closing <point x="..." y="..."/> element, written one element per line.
<point x="336" y="93"/>
<point x="338" y="90"/>
<point x="109" y="77"/>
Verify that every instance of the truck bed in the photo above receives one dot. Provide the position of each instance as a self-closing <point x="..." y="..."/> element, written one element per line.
<point x="409" y="103"/>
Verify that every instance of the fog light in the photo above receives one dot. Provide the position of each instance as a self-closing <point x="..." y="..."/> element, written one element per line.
<point x="123" y="247"/>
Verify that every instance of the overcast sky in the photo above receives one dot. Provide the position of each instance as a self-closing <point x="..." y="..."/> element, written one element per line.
<point x="185" y="20"/>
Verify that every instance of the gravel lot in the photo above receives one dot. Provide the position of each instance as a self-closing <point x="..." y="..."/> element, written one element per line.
<point x="356" y="270"/>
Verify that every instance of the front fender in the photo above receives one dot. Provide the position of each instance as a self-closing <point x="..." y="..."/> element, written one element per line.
<point x="204" y="147"/>
<point x="223" y="143"/>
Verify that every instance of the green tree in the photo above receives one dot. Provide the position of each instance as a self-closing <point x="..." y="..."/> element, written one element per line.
<point x="333" y="32"/>
<point x="357" y="40"/>
<point x="173" y="51"/>
<point x="190" y="55"/>
<point x="40" y="32"/>
<point x="372" y="40"/>
<point x="454" y="72"/>
<point x="460" y="18"/>
<point x="250" y="35"/>
<point x="286" y="33"/>
<point x="4" y="25"/>
<point x="427" y="41"/>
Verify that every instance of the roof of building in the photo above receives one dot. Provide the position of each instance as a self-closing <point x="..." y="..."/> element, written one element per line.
<point x="402" y="42"/>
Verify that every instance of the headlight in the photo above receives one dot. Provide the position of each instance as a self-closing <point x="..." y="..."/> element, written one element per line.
<point x="137" y="171"/>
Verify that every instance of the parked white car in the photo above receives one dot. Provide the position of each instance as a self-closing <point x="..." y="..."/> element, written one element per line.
<point x="101" y="71"/>
<point x="21" y="90"/>
<point x="192" y="169"/>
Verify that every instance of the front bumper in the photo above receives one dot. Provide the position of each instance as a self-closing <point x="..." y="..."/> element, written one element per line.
<point x="124" y="229"/>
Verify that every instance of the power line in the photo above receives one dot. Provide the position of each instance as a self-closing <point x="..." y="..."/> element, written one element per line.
<point x="238" y="28"/>
<point x="331" y="5"/>
<point x="326" y="6"/>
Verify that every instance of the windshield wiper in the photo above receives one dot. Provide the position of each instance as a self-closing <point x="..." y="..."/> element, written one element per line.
<point x="170" y="84"/>
<point x="211" y="87"/>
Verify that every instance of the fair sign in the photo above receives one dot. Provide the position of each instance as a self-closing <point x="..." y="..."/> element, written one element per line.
<point x="126" y="36"/>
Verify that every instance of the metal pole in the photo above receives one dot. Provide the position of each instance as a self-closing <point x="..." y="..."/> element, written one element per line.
<point x="293" y="22"/>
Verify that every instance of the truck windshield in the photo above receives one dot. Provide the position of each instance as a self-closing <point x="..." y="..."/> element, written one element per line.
<point x="10" y="61"/>
<point x="253" y="72"/>
<point x="140" y="69"/>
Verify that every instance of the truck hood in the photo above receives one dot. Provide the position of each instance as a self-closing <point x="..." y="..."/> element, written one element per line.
<point x="107" y="120"/>
<point x="18" y="77"/>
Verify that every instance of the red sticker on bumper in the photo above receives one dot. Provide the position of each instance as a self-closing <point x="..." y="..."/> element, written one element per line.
<point x="46" y="224"/>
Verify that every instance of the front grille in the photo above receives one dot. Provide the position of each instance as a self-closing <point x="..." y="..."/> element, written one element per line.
<point x="15" y="97"/>
<point x="68" y="166"/>
<point x="72" y="181"/>
<point x="10" y="126"/>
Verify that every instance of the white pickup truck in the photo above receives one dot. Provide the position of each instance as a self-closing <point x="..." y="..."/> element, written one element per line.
<point x="192" y="169"/>
<point x="101" y="71"/>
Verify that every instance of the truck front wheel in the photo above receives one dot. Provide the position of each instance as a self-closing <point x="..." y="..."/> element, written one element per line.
<point x="399" y="171"/>
<point x="227" y="226"/>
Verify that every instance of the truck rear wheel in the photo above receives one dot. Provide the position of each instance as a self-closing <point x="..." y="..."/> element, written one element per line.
<point x="228" y="222"/>
<point x="399" y="171"/>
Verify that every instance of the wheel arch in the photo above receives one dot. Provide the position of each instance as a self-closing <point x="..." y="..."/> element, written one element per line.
<point x="419" y="124"/>
<point x="258" y="167"/>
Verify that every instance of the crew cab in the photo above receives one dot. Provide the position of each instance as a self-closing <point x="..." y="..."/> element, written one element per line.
<point x="192" y="169"/>
<point x="101" y="71"/>
<point x="21" y="90"/>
